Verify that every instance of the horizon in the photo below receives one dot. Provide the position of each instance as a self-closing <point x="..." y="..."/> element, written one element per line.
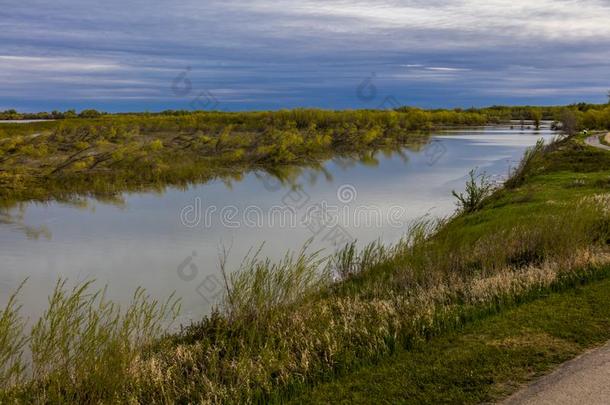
<point x="337" y="55"/>
<point x="465" y="109"/>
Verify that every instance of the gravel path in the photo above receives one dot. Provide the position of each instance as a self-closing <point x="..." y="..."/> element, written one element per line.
<point x="594" y="141"/>
<point x="583" y="380"/>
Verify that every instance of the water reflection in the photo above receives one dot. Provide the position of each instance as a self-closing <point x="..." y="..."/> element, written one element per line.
<point x="15" y="219"/>
<point x="138" y="239"/>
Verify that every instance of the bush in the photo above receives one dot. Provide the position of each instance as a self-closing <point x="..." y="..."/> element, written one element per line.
<point x="478" y="188"/>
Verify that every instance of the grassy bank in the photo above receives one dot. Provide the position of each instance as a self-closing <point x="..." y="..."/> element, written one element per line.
<point x="284" y="327"/>
<point x="484" y="361"/>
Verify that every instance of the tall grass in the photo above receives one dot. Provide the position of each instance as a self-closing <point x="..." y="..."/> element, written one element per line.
<point x="402" y="293"/>
<point x="81" y="348"/>
<point x="518" y="175"/>
<point x="260" y="286"/>
<point x="12" y="343"/>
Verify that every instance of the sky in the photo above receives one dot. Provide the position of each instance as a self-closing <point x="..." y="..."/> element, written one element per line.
<point x="151" y="55"/>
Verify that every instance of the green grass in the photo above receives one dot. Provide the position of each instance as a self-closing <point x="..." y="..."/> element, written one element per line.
<point x="485" y="360"/>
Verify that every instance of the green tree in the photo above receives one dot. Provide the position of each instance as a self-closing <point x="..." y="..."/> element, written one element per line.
<point x="568" y="121"/>
<point x="90" y="113"/>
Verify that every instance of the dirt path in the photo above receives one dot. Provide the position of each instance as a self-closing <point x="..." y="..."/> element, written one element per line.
<point x="583" y="380"/>
<point x="595" y="142"/>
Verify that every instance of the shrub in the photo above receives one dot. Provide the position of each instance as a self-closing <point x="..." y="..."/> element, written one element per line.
<point x="478" y="188"/>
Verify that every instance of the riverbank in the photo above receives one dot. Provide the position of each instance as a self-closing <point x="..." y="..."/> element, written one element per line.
<point x="116" y="153"/>
<point x="109" y="154"/>
<point x="487" y="359"/>
<point x="492" y="357"/>
<point x="285" y="327"/>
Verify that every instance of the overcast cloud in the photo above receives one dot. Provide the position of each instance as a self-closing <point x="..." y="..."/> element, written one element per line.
<point x="124" y="55"/>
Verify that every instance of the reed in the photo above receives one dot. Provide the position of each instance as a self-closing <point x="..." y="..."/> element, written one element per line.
<point x="81" y="348"/>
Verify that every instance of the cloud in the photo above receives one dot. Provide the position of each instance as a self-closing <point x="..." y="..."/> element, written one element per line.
<point x="57" y="64"/>
<point x="272" y="54"/>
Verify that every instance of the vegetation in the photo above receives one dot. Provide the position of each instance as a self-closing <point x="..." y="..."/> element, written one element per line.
<point x="82" y="346"/>
<point x="484" y="361"/>
<point x="116" y="153"/>
<point x="478" y="188"/>
<point x="92" y="153"/>
<point x="53" y="115"/>
<point x="286" y="326"/>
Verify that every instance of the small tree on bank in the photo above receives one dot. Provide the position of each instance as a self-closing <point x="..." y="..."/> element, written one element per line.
<point x="478" y="188"/>
<point x="568" y="122"/>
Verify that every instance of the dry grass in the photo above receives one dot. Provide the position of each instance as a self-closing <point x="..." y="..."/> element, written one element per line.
<point x="81" y="348"/>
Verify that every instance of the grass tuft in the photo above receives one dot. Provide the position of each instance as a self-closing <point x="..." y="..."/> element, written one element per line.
<point x="83" y="346"/>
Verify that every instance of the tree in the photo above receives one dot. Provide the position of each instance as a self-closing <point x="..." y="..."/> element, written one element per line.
<point x="90" y="113"/>
<point x="478" y="188"/>
<point x="536" y="115"/>
<point x="568" y="121"/>
<point x="70" y="114"/>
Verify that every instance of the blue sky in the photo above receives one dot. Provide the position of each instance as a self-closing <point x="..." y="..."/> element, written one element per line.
<point x="135" y="55"/>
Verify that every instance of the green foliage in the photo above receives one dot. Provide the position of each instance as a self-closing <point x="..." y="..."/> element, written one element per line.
<point x="156" y="145"/>
<point x="260" y="286"/>
<point x="482" y="362"/>
<point x="478" y="188"/>
<point x="58" y="159"/>
<point x="89" y="114"/>
<point x="517" y="177"/>
<point x="12" y="343"/>
<point x="536" y="116"/>
<point x="568" y="121"/>
<point x="81" y="348"/>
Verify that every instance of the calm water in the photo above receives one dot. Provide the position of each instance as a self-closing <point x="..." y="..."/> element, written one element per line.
<point x="170" y="241"/>
<point x="21" y="121"/>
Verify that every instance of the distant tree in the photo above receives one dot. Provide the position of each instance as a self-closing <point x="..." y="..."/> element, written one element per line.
<point x="90" y="113"/>
<point x="568" y="121"/>
<point x="70" y="114"/>
<point x="608" y="96"/>
<point x="536" y="115"/>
